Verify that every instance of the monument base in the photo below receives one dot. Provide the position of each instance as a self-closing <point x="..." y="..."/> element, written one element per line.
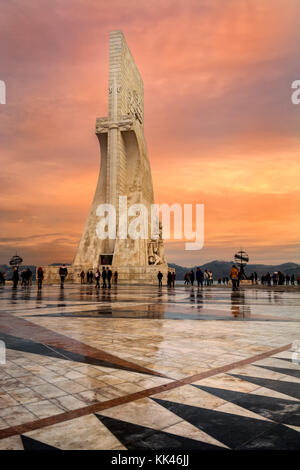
<point x="126" y="274"/>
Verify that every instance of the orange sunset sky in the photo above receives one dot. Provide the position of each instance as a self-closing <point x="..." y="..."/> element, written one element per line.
<point x="219" y="122"/>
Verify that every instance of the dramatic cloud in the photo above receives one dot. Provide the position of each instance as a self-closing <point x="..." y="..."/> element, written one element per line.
<point x="218" y="113"/>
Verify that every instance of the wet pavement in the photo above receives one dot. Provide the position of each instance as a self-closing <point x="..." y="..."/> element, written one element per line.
<point x="138" y="367"/>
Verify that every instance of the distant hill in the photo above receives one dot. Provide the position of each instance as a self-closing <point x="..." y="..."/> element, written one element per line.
<point x="222" y="268"/>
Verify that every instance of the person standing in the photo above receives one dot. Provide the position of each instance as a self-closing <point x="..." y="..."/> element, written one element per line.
<point x="97" y="278"/>
<point x="199" y="277"/>
<point x="192" y="277"/>
<point x="63" y="272"/>
<point x="15" y="277"/>
<point x="234" y="275"/>
<point x="255" y="277"/>
<point x="293" y="279"/>
<point x="40" y="277"/>
<point x="82" y="276"/>
<point x="109" y="276"/>
<point x="159" y="277"/>
<point x="173" y="279"/>
<point x="29" y="277"/>
<point x="206" y="278"/>
<point x="116" y="277"/>
<point x="169" y="278"/>
<point x="104" y="274"/>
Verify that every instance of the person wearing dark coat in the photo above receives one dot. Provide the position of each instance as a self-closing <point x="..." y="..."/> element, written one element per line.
<point x="28" y="277"/>
<point x="63" y="272"/>
<point x="192" y="277"/>
<point x="40" y="277"/>
<point x="199" y="277"/>
<point x="104" y="275"/>
<point x="116" y="277"/>
<point x="159" y="277"/>
<point x="15" y="277"/>
<point x="169" y="278"/>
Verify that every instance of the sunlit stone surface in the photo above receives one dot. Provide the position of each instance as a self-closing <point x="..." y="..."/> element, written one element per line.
<point x="81" y="346"/>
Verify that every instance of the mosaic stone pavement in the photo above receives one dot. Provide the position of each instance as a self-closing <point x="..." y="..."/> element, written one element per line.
<point x="146" y="368"/>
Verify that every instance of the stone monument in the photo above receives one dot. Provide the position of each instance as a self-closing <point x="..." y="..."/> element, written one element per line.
<point x="125" y="171"/>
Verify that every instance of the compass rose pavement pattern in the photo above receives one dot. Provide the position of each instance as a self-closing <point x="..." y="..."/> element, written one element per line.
<point x="137" y="367"/>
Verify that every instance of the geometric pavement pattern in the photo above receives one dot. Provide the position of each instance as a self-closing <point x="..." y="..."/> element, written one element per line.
<point x="52" y="382"/>
<point x="197" y="416"/>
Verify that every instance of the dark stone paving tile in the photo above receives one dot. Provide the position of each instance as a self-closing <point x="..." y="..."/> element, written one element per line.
<point x="291" y="372"/>
<point x="32" y="444"/>
<point x="277" y="409"/>
<point x="278" y="438"/>
<point x="232" y="430"/>
<point x="291" y="389"/>
<point x="136" y="437"/>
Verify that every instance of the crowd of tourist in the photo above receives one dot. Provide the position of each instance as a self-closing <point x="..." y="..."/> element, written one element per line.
<point x="106" y="277"/>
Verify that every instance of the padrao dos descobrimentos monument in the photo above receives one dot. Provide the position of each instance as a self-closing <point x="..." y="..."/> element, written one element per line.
<point x="125" y="171"/>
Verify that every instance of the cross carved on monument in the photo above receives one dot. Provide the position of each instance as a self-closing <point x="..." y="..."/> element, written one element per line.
<point x="105" y="124"/>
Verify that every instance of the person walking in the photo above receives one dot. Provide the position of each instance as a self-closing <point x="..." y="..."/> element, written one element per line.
<point x="109" y="276"/>
<point x="186" y="279"/>
<point x="2" y="279"/>
<point x="159" y="277"/>
<point x="97" y="278"/>
<point x="23" y="277"/>
<point x="192" y="277"/>
<point x="199" y="277"/>
<point x="63" y="272"/>
<point x="293" y="279"/>
<point x="169" y="278"/>
<point x="40" y="277"/>
<point x="255" y="278"/>
<point x="82" y="276"/>
<point x="234" y="275"/>
<point x="210" y="278"/>
<point x="116" y="277"/>
<point x="173" y="279"/>
<point x="206" y="278"/>
<point x="15" y="277"/>
<point x="104" y="275"/>
<point x="28" y="277"/>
